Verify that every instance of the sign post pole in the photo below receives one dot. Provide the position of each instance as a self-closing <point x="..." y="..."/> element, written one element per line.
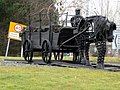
<point x="7" y="47"/>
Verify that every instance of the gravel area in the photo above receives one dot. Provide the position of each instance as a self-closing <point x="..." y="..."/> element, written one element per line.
<point x="13" y="63"/>
<point x="68" y="64"/>
<point x="19" y="63"/>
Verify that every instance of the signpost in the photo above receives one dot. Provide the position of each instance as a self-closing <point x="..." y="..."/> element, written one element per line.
<point x="116" y="40"/>
<point x="14" y="30"/>
<point x="14" y="33"/>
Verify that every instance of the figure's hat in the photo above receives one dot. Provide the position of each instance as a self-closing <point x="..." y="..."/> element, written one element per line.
<point x="77" y="11"/>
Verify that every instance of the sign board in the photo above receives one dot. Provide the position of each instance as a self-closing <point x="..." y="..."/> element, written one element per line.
<point x="14" y="30"/>
<point x="116" y="40"/>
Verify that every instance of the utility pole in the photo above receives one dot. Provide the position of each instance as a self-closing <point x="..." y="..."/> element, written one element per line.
<point x="87" y="7"/>
<point x="101" y="7"/>
<point x="107" y="11"/>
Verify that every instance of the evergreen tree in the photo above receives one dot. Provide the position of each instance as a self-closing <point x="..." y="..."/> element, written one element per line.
<point x="17" y="11"/>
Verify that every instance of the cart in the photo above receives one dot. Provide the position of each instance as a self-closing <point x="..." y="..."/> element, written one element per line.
<point x="48" y="37"/>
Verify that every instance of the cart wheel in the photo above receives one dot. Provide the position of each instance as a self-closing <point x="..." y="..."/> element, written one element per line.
<point x="58" y="55"/>
<point x="27" y="51"/>
<point x="46" y="51"/>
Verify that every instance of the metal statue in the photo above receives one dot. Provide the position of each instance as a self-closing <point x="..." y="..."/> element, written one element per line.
<point x="100" y="30"/>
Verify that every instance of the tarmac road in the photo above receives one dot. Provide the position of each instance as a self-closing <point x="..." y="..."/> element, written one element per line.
<point x="56" y="63"/>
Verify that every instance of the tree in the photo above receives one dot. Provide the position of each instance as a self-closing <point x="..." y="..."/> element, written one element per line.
<point x="9" y="12"/>
<point x="17" y="11"/>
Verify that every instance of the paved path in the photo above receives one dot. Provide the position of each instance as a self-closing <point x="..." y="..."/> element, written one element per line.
<point x="108" y="66"/>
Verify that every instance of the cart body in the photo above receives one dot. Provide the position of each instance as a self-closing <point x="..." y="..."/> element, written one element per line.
<point x="48" y="38"/>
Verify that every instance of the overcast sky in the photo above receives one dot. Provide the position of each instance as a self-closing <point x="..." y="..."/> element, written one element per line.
<point x="109" y="8"/>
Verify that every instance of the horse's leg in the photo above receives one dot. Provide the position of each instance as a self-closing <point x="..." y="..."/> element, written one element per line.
<point x="75" y="56"/>
<point x="101" y="47"/>
<point x="80" y="41"/>
<point x="82" y="52"/>
<point x="87" y="54"/>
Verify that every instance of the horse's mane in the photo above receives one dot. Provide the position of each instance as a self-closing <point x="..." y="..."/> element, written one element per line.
<point x="99" y="26"/>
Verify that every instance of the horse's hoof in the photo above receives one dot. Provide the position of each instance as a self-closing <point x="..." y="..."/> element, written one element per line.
<point x="83" y="61"/>
<point x="75" y="61"/>
<point x="100" y="66"/>
<point x="88" y="63"/>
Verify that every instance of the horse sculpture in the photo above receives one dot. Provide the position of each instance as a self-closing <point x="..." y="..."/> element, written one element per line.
<point x="100" y="30"/>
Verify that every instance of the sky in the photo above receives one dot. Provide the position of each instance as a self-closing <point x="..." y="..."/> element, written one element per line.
<point x="108" y="8"/>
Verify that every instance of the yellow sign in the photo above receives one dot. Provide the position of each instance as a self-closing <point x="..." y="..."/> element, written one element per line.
<point x="14" y="30"/>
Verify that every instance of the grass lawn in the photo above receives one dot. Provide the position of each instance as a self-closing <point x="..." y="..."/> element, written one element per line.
<point x="92" y="59"/>
<point x="51" y="78"/>
<point x="16" y="58"/>
<point x="107" y="59"/>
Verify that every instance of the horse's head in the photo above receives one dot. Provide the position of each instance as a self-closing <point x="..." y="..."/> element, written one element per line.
<point x="103" y="28"/>
<point x="109" y="31"/>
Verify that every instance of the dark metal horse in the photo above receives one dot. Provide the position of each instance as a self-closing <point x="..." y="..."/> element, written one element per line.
<point x="100" y="30"/>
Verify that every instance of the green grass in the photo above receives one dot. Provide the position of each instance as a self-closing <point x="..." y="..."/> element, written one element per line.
<point x="51" y="78"/>
<point x="92" y="59"/>
<point x="47" y="78"/>
<point x="107" y="59"/>
<point x="16" y="58"/>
